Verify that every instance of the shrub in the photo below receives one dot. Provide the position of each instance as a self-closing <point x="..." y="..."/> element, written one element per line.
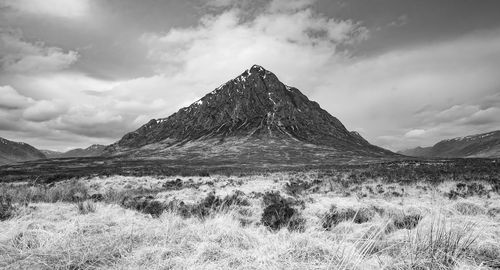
<point x="145" y="204"/>
<point x="211" y="204"/>
<point x="494" y="212"/>
<point x="174" y="184"/>
<point x="97" y="197"/>
<point x="279" y="213"/>
<point x="296" y="187"/>
<point x="85" y="207"/>
<point x="403" y="220"/>
<point x="336" y="215"/>
<point x="466" y="190"/>
<point x="297" y="223"/>
<point x="407" y="221"/>
<point x="7" y="209"/>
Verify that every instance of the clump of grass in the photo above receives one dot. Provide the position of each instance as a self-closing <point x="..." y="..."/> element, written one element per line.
<point x="7" y="209"/>
<point x="439" y="245"/>
<point x="207" y="206"/>
<point x="336" y="215"/>
<point x="463" y="190"/>
<point x="85" y="207"/>
<point x="494" y="212"/>
<point x="145" y="204"/>
<point x="66" y="191"/>
<point x="468" y="208"/>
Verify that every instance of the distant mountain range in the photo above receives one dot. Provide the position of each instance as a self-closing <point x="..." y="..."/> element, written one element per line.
<point x="251" y="118"/>
<point x="91" y="151"/>
<point x="486" y="145"/>
<point x="12" y="152"/>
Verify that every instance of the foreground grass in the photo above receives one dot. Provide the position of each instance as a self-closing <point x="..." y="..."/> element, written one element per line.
<point x="52" y="228"/>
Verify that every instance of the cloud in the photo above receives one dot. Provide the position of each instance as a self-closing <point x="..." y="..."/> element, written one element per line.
<point x="17" y="55"/>
<point x="224" y="45"/>
<point x="11" y="99"/>
<point x="414" y="133"/>
<point x="56" y="8"/>
<point x="44" y="110"/>
<point x="289" y="6"/>
<point x="400" y="21"/>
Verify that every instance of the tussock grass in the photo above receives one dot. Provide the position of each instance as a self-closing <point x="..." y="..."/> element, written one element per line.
<point x="468" y="208"/>
<point x="67" y="191"/>
<point x="437" y="244"/>
<point x="85" y="207"/>
<point x="7" y="209"/>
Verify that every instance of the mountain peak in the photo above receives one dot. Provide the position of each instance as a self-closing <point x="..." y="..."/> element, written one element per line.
<point x="258" y="69"/>
<point x="254" y="106"/>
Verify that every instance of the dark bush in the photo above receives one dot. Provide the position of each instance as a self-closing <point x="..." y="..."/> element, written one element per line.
<point x="406" y="221"/>
<point x="212" y="203"/>
<point x="466" y="190"/>
<point x="174" y="184"/>
<point x="209" y="205"/>
<point x="336" y="215"/>
<point x="279" y="213"/>
<point x="7" y="209"/>
<point x="494" y="212"/>
<point x="145" y="204"/>
<point x="204" y="174"/>
<point x="97" y="197"/>
<point x="296" y="187"/>
<point x="297" y="223"/>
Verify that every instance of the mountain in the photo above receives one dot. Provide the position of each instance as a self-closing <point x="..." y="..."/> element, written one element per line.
<point x="12" y="152"/>
<point x="91" y="151"/>
<point x="50" y="153"/>
<point x="485" y="145"/>
<point x="252" y="118"/>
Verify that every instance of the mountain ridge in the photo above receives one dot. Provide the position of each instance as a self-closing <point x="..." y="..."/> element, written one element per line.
<point x="13" y="152"/>
<point x="485" y="145"/>
<point x="91" y="151"/>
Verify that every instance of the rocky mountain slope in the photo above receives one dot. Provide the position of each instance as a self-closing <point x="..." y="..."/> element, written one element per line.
<point x="481" y="145"/>
<point x="91" y="151"/>
<point x="252" y="117"/>
<point x="12" y="152"/>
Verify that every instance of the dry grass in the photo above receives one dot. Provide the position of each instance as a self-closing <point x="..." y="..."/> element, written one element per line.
<point x="422" y="229"/>
<point x="85" y="207"/>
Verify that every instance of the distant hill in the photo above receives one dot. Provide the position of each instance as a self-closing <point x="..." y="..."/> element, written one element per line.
<point x="251" y="118"/>
<point x="12" y="152"/>
<point x="50" y="153"/>
<point x="485" y="145"/>
<point x="91" y="151"/>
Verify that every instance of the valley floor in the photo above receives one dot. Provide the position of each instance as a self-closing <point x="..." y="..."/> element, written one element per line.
<point x="274" y="221"/>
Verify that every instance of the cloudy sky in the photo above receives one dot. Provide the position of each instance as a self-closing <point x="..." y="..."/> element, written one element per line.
<point x="403" y="73"/>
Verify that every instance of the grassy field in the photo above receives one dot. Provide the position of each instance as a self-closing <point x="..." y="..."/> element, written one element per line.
<point x="283" y="220"/>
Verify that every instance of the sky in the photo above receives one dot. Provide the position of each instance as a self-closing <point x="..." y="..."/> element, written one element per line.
<point x="402" y="73"/>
